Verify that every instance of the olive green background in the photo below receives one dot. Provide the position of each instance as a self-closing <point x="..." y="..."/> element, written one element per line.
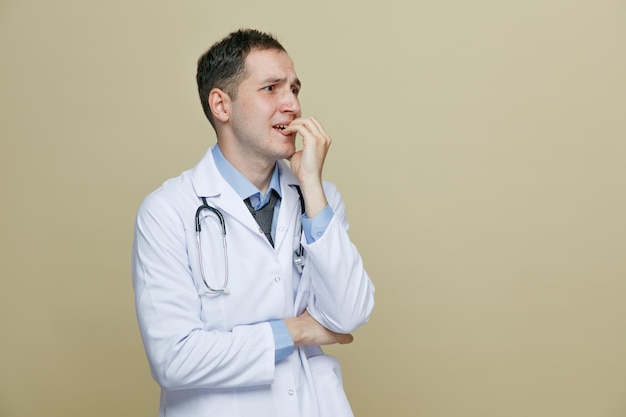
<point x="480" y="147"/>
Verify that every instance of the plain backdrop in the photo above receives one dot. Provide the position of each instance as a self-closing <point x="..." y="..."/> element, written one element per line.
<point x="480" y="147"/>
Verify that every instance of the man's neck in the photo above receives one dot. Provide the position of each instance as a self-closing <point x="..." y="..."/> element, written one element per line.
<point x="258" y="172"/>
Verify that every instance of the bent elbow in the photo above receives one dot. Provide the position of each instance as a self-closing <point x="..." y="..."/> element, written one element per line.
<point x="174" y="371"/>
<point x="349" y="320"/>
<point x="169" y="377"/>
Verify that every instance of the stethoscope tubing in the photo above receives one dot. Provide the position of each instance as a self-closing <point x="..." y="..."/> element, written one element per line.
<point x="205" y="206"/>
<point x="298" y="255"/>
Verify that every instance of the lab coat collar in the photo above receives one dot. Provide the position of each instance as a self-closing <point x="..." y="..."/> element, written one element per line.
<point x="209" y="183"/>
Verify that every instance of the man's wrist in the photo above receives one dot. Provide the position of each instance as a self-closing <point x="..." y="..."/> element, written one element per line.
<point x="314" y="198"/>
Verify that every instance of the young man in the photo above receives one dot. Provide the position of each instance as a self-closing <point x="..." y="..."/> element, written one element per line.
<point x="233" y="309"/>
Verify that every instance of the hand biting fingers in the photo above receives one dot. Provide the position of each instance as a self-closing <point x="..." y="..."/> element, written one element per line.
<point x="309" y="127"/>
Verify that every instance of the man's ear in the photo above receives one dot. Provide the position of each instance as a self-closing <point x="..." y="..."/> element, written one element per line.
<point x="220" y="104"/>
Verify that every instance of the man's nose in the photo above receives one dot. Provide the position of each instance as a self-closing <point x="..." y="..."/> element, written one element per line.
<point x="290" y="103"/>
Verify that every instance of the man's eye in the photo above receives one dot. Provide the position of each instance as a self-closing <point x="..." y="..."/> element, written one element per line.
<point x="295" y="90"/>
<point x="269" y="88"/>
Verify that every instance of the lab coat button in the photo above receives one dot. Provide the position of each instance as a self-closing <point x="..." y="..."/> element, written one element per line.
<point x="290" y="392"/>
<point x="277" y="279"/>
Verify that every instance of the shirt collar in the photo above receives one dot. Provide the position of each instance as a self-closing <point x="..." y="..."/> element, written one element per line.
<point x="242" y="186"/>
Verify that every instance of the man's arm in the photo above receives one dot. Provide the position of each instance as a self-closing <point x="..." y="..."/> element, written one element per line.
<point x="181" y="351"/>
<point x="342" y="295"/>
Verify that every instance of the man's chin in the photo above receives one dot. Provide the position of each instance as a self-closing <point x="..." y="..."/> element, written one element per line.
<point x="288" y="152"/>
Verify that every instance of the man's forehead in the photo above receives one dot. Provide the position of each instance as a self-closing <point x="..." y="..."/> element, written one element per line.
<point x="270" y="64"/>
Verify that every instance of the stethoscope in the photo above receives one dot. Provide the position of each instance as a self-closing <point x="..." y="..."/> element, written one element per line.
<point x="298" y="255"/>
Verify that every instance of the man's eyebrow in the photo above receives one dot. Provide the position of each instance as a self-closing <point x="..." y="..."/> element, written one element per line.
<point x="280" y="80"/>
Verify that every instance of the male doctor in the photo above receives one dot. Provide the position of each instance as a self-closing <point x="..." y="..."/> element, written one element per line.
<point x="231" y="323"/>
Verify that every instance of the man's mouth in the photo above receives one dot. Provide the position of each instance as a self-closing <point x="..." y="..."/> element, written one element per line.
<point x="280" y="127"/>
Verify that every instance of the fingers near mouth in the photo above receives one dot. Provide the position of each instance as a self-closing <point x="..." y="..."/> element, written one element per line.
<point x="283" y="129"/>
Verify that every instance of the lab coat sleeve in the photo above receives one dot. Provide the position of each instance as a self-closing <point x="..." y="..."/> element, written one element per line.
<point x="341" y="294"/>
<point x="182" y="353"/>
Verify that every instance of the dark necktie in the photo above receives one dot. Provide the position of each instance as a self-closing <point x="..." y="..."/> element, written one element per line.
<point x="265" y="214"/>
